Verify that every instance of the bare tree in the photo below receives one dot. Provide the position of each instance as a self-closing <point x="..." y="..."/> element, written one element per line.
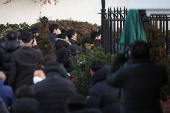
<point x="42" y="2"/>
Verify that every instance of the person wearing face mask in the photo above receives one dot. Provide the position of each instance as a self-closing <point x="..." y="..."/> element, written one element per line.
<point x="54" y="31"/>
<point x="38" y="75"/>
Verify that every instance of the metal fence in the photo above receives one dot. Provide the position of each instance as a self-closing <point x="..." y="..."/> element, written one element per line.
<point x="112" y="27"/>
<point x="113" y="22"/>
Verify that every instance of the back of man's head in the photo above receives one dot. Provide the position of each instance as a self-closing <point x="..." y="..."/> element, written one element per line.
<point x="52" y="67"/>
<point x="25" y="105"/>
<point x="94" y="34"/>
<point x="52" y="27"/>
<point x="11" y="35"/>
<point x="47" y="59"/>
<point x="96" y="64"/>
<point x="26" y="37"/>
<point x="87" y="40"/>
<point x="70" y="33"/>
<point x="62" y="36"/>
<point x="24" y="91"/>
<point x="140" y="50"/>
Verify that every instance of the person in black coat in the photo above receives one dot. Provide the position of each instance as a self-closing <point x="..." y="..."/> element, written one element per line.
<point x="7" y="48"/>
<point x="61" y="45"/>
<point x="53" y="92"/>
<point x="101" y="95"/>
<point x="141" y="82"/>
<point x="86" y="44"/>
<point x="70" y="55"/>
<point x="72" y="36"/>
<point x="23" y="62"/>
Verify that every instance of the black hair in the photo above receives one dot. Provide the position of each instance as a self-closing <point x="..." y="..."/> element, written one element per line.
<point x="70" y="33"/>
<point x="87" y="40"/>
<point x="52" y="67"/>
<point x="34" y="30"/>
<point x="25" y="36"/>
<point x="24" y="91"/>
<point x="25" y="105"/>
<point x="63" y="31"/>
<point x="96" y="64"/>
<point x="63" y="36"/>
<point x="140" y="49"/>
<point x="94" y="34"/>
<point x="47" y="59"/>
<point x="76" y="102"/>
<point x="11" y="35"/>
<point x="52" y="27"/>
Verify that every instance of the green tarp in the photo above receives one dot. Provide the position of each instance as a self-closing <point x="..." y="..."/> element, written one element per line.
<point x="132" y="31"/>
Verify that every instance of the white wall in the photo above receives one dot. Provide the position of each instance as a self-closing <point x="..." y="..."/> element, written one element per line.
<point x="19" y="11"/>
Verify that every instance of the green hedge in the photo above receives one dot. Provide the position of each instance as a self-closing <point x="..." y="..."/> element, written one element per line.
<point x="81" y="71"/>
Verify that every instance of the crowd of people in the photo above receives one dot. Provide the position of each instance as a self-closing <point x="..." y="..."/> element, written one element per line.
<point x="31" y="83"/>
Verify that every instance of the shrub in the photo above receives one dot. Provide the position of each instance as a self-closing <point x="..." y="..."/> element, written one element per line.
<point x="81" y="71"/>
<point x="83" y="29"/>
<point x="158" y="52"/>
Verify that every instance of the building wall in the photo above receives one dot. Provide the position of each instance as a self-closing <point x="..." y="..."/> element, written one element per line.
<point x="19" y="11"/>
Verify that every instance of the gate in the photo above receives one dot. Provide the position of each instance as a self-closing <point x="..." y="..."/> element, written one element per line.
<point x="112" y="23"/>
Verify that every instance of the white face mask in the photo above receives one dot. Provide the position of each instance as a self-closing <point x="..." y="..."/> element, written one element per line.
<point x="37" y="79"/>
<point x="59" y="32"/>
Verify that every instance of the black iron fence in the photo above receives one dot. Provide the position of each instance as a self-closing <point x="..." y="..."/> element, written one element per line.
<point x="113" y="21"/>
<point x="112" y="27"/>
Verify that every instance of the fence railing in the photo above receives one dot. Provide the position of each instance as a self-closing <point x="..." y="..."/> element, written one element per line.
<point x="112" y="27"/>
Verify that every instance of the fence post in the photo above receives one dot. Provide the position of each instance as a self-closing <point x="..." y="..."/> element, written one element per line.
<point x="103" y="12"/>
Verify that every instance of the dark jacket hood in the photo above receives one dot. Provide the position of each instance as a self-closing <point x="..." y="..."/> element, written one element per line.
<point x="60" y="43"/>
<point x="55" y="69"/>
<point x="10" y="46"/>
<point x="100" y="75"/>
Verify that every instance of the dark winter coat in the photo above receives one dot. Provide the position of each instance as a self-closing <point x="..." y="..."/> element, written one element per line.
<point x="70" y="53"/>
<point x="141" y="85"/>
<point x="3" y="108"/>
<point x="23" y="64"/>
<point x="53" y="92"/>
<point x="7" y="49"/>
<point x="101" y="95"/>
<point x="61" y="47"/>
<point x="6" y="94"/>
<point x="53" y="37"/>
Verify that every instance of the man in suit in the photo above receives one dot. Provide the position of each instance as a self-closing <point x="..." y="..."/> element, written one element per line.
<point x="24" y="61"/>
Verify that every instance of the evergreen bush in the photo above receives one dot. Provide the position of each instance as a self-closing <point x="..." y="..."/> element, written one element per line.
<point x="158" y="51"/>
<point x="83" y="29"/>
<point x="81" y="71"/>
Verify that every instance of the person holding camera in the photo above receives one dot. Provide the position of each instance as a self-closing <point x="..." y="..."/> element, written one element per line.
<point x="141" y="82"/>
<point x="24" y="62"/>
